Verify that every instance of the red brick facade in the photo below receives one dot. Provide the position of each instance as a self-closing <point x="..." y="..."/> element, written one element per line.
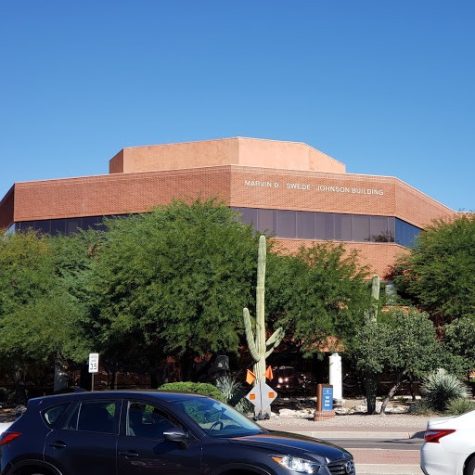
<point x="7" y="209"/>
<point x="225" y="172"/>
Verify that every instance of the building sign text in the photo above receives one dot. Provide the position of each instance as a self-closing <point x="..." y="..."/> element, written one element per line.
<point x="319" y="187"/>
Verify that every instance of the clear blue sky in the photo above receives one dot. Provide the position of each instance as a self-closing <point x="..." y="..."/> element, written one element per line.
<point x="387" y="87"/>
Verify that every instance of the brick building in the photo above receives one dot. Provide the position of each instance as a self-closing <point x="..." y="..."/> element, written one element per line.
<point x="292" y="190"/>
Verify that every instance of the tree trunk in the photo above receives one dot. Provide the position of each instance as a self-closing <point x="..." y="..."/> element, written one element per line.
<point x="61" y="378"/>
<point x="20" y="389"/>
<point x="411" y="389"/>
<point x="371" y="386"/>
<point x="390" y="395"/>
<point x="115" y="377"/>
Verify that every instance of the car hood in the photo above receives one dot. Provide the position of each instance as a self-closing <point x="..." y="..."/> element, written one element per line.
<point x="286" y="443"/>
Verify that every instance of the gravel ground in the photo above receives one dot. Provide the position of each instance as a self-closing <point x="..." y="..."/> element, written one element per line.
<point x="298" y="413"/>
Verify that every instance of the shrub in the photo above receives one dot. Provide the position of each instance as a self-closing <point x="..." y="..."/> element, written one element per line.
<point x="204" y="389"/>
<point x="420" y="408"/>
<point x="440" y="388"/>
<point x="457" y="407"/>
<point x="233" y="392"/>
<point x="231" y="389"/>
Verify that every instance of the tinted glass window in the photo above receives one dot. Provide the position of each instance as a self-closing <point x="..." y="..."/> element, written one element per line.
<point x="282" y="223"/>
<point x="217" y="419"/>
<point x="265" y="220"/>
<point x="285" y="372"/>
<point x="71" y="420"/>
<point x="360" y="228"/>
<point x="406" y="233"/>
<point x="98" y="416"/>
<point x="58" y="226"/>
<point x="248" y="215"/>
<point x="145" y="420"/>
<point x="51" y="415"/>
<point x="65" y="226"/>
<point x="305" y="225"/>
<point x="285" y="223"/>
<point x="72" y="225"/>
<point x="380" y="230"/>
<point x="392" y="228"/>
<point x="324" y="226"/>
<point x="343" y="227"/>
<point x="41" y="226"/>
<point x="92" y="222"/>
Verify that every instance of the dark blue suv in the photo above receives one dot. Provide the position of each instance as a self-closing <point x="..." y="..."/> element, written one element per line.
<point x="141" y="433"/>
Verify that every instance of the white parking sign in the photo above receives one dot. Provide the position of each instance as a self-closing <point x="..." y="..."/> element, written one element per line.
<point x="93" y="362"/>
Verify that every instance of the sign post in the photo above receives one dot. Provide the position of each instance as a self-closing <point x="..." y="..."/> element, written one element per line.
<point x="324" y="402"/>
<point x="93" y="367"/>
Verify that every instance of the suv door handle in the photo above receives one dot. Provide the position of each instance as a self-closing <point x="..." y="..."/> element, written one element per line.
<point x="59" y="444"/>
<point x="129" y="453"/>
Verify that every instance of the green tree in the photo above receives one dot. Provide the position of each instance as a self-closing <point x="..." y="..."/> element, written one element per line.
<point x="370" y="355"/>
<point x="73" y="259"/>
<point x="439" y="273"/>
<point x="459" y="343"/>
<point x="402" y="345"/>
<point x="43" y="329"/>
<point x="38" y="315"/>
<point x="174" y="281"/>
<point x="318" y="293"/>
<point x="26" y="270"/>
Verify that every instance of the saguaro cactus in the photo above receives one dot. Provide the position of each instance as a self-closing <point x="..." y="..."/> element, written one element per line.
<point x="259" y="347"/>
<point x="371" y="380"/>
<point x="372" y="313"/>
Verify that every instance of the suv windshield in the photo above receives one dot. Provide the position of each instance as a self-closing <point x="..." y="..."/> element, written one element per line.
<point x="217" y="419"/>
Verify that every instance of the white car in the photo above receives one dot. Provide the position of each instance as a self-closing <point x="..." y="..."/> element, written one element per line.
<point x="4" y="426"/>
<point x="449" y="446"/>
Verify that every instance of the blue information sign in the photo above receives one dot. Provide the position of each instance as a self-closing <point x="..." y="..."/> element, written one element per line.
<point x="327" y="398"/>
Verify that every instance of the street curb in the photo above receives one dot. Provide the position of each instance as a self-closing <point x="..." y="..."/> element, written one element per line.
<point x="379" y="469"/>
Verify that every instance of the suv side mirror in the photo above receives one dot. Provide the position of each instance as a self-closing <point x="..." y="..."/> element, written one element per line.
<point x="176" y="435"/>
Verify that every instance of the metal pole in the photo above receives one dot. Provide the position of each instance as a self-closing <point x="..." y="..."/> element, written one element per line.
<point x="92" y="382"/>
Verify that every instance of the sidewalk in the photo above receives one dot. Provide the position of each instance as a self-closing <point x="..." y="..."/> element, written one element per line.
<point x="369" y="461"/>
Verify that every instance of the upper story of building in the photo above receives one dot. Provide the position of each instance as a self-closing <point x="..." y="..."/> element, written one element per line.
<point x="242" y="172"/>
<point x="290" y="189"/>
<point x="239" y="151"/>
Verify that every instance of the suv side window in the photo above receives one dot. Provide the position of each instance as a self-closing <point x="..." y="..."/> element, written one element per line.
<point x="71" y="420"/>
<point x="146" y="420"/>
<point x="52" y="414"/>
<point x="95" y="416"/>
